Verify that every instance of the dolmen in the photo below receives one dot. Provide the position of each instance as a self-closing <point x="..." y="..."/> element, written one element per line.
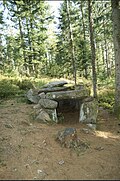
<point x="47" y="99"/>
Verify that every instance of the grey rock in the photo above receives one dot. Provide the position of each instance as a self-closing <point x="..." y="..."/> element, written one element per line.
<point x="85" y="130"/>
<point x="56" y="83"/>
<point x="41" y="174"/>
<point x="99" y="148"/>
<point x="88" y="112"/>
<point x="42" y="95"/>
<point x="32" y="96"/>
<point x="92" y="126"/>
<point x="52" y="89"/>
<point x="37" y="106"/>
<point x="8" y="126"/>
<point x="61" y="162"/>
<point x="67" y="136"/>
<point x="43" y="116"/>
<point x="73" y="94"/>
<point x="47" y="103"/>
<point x="53" y="114"/>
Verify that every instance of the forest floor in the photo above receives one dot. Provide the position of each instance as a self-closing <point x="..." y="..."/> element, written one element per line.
<point x="28" y="149"/>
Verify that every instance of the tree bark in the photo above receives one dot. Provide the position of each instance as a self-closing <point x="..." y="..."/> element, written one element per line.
<point x="71" y="41"/>
<point x="106" y="52"/>
<point x="116" y="39"/>
<point x="22" y="40"/>
<point x="84" y="35"/>
<point x="94" y="75"/>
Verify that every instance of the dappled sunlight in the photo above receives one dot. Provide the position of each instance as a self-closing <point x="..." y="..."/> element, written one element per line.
<point x="105" y="134"/>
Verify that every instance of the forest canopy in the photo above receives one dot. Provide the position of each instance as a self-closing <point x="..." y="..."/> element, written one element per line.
<point x="30" y="46"/>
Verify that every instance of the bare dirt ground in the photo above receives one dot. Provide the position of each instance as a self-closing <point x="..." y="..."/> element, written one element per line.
<point x="28" y="149"/>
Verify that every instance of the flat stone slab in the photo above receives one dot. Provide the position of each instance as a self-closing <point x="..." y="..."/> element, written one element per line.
<point x="52" y="89"/>
<point x="56" y="84"/>
<point x="48" y="104"/>
<point x="73" y="94"/>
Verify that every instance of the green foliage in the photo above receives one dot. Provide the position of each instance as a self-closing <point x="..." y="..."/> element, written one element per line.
<point x="106" y="98"/>
<point x="25" y="84"/>
<point x="39" y="83"/>
<point x="7" y="89"/>
<point x="16" y="87"/>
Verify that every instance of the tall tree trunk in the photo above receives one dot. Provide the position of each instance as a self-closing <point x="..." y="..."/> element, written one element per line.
<point x="84" y="36"/>
<point x="71" y="41"/>
<point x="22" y="40"/>
<point x="94" y="76"/>
<point x="116" y="38"/>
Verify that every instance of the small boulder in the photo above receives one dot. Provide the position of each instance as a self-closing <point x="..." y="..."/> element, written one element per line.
<point x="32" y="96"/>
<point x="42" y="95"/>
<point x="43" y="116"/>
<point x="67" y="136"/>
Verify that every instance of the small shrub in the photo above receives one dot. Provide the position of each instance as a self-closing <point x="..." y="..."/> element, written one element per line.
<point x="25" y="84"/>
<point x="7" y="89"/>
<point x="106" y="99"/>
<point x="39" y="83"/>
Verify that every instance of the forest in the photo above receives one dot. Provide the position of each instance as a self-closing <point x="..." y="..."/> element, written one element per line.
<point x="42" y="48"/>
<point x="81" y="46"/>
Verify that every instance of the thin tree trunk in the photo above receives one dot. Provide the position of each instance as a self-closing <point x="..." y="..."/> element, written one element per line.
<point x="71" y="41"/>
<point x="94" y="76"/>
<point x="116" y="38"/>
<point x="29" y="40"/>
<point x="106" y="52"/>
<point x="103" y="58"/>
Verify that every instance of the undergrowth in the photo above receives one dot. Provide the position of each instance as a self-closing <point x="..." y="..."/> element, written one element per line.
<point x="11" y="87"/>
<point x="106" y="98"/>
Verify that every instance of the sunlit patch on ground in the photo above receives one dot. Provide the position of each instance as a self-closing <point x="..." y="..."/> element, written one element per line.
<point x="104" y="134"/>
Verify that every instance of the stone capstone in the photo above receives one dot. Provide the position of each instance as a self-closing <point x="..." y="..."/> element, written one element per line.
<point x="48" y="104"/>
<point x="56" y="83"/>
<point x="73" y="94"/>
<point x="53" y="89"/>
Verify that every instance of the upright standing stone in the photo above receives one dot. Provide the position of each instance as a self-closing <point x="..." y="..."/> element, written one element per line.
<point x="53" y="114"/>
<point x="88" y="111"/>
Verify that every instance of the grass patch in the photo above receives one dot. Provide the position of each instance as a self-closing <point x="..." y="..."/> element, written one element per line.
<point x="7" y="89"/>
<point x="12" y="87"/>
